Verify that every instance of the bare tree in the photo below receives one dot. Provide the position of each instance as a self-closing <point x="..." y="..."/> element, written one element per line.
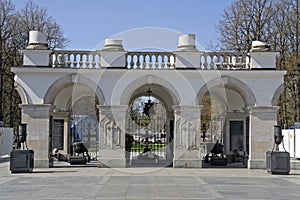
<point x="33" y="17"/>
<point x="275" y="22"/>
<point x="14" y="28"/>
<point x="8" y="96"/>
<point x="243" y="22"/>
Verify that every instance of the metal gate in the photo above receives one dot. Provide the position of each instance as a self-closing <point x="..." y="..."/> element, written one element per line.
<point x="146" y="137"/>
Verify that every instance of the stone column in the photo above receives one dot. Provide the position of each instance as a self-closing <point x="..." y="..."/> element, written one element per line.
<point x="37" y="117"/>
<point x="261" y="134"/>
<point x="112" y="136"/>
<point x="170" y="138"/>
<point x="187" y="135"/>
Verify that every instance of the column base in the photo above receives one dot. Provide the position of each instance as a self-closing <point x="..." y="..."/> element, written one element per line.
<point x="112" y="163"/>
<point x="256" y="164"/>
<point x="41" y="163"/>
<point x="187" y="163"/>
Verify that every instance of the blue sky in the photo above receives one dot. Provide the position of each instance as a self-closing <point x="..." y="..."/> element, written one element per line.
<point x="87" y="23"/>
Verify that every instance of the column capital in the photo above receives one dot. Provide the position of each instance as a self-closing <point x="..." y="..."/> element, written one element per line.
<point x="112" y="108"/>
<point x="37" y="110"/>
<point x="61" y="114"/>
<point x="187" y="108"/>
<point x="262" y="109"/>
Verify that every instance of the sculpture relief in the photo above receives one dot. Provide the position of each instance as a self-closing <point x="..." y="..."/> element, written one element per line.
<point x="110" y="132"/>
<point x="187" y="132"/>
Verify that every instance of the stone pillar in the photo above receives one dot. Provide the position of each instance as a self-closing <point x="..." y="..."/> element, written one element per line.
<point x="187" y="135"/>
<point x="37" y="117"/>
<point x="112" y="136"/>
<point x="37" y="52"/>
<point x="170" y="138"/>
<point x="261" y="134"/>
<point x="112" y="54"/>
<point x="187" y="55"/>
<point x="261" y="57"/>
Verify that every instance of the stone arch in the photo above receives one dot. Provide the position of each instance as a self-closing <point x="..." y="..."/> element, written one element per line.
<point x="277" y="94"/>
<point x="231" y="83"/>
<point x="129" y="93"/>
<point x="65" y="81"/>
<point x="25" y="99"/>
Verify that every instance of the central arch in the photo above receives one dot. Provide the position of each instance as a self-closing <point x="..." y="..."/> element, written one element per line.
<point x="135" y="88"/>
<point x="159" y="133"/>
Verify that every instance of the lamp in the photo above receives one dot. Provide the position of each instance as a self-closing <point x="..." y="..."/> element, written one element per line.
<point x="148" y="104"/>
<point x="22" y="135"/>
<point x="278" y="137"/>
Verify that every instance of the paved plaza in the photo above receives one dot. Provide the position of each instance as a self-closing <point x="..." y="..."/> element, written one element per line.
<point x="74" y="182"/>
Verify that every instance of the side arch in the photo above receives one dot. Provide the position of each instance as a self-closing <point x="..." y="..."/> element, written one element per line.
<point x="65" y="81"/>
<point x="25" y="99"/>
<point x="232" y="83"/>
<point x="277" y="94"/>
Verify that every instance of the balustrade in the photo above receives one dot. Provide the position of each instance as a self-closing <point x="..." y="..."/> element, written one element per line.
<point x="151" y="60"/>
<point x="76" y="59"/>
<point x="224" y="61"/>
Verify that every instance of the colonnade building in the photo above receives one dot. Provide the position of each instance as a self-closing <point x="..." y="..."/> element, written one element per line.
<point x="178" y="101"/>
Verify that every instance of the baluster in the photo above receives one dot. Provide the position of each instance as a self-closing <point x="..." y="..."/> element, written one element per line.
<point x="205" y="64"/>
<point x="168" y="61"/>
<point x="81" y="60"/>
<point x="231" y="64"/>
<point x="132" y="60"/>
<point x="143" y="61"/>
<point x="162" y="64"/>
<point x="201" y="63"/>
<point x="138" y="64"/>
<point x="212" y="64"/>
<point x="54" y="57"/>
<point x="151" y="60"/>
<point x="94" y="60"/>
<point x="156" y="62"/>
<point x="173" y="60"/>
<point x="222" y="61"/>
<point x="98" y="61"/>
<point x="240" y="61"/>
<point x="219" y="62"/>
<point x="147" y="61"/>
<point x="69" y="63"/>
<point x="243" y="61"/>
<point x="87" y="61"/>
<point x="75" y="61"/>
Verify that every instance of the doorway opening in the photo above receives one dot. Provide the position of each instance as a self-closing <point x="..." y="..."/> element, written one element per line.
<point x="225" y="138"/>
<point x="149" y="136"/>
<point x="84" y="123"/>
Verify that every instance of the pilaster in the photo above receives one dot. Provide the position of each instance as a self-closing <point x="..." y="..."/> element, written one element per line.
<point x="187" y="135"/>
<point x="261" y="134"/>
<point x="37" y="117"/>
<point x="112" y="136"/>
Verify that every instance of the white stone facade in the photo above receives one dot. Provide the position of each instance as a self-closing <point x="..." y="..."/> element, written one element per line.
<point x="247" y="91"/>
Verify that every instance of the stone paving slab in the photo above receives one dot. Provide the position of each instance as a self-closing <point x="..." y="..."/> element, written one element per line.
<point x="86" y="183"/>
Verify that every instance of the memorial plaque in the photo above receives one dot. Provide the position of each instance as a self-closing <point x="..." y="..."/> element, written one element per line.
<point x="237" y="135"/>
<point x="58" y="134"/>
